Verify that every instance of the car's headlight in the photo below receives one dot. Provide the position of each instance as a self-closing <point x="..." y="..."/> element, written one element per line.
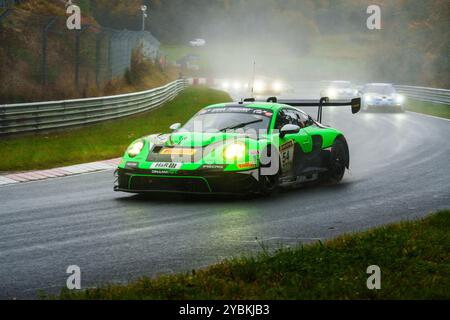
<point x="277" y="86"/>
<point x="135" y="148"/>
<point x="331" y="93"/>
<point x="368" y="98"/>
<point x="235" y="151"/>
<point x="225" y="85"/>
<point x="236" y="85"/>
<point x="259" y="86"/>
<point x="399" y="98"/>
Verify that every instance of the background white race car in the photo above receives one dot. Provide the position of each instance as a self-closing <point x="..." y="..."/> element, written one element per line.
<point x="198" y="43"/>
<point x="261" y="86"/>
<point x="338" y="90"/>
<point x="381" y="97"/>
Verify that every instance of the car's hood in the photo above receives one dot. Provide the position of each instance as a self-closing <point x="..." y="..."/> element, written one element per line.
<point x="341" y="89"/>
<point x="379" y="96"/>
<point x="195" y="139"/>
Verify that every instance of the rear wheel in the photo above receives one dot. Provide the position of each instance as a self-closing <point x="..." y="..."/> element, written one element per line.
<point x="338" y="161"/>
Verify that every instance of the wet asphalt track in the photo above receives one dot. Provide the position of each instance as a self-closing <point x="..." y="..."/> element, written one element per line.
<point x="400" y="169"/>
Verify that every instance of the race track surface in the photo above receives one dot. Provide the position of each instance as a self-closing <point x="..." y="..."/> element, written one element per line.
<point x="399" y="170"/>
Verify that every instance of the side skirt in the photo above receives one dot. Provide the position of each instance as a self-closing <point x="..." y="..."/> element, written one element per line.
<point x="308" y="175"/>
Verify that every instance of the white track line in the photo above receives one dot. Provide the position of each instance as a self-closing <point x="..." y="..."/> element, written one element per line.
<point x="428" y="116"/>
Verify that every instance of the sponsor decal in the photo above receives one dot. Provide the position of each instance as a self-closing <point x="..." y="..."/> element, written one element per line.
<point x="287" y="156"/>
<point x="178" y="151"/>
<point x="162" y="172"/>
<point x="246" y="165"/>
<point x="166" y="165"/>
<point x="131" y="165"/>
<point x="213" y="166"/>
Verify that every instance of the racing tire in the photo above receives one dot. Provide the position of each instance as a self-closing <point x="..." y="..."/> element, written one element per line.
<point x="268" y="183"/>
<point x="338" y="161"/>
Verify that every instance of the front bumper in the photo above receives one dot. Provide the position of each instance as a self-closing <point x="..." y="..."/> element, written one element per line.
<point x="198" y="182"/>
<point x="384" y="107"/>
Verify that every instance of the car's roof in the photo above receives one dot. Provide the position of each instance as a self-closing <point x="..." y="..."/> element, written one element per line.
<point x="340" y="81"/>
<point x="380" y="84"/>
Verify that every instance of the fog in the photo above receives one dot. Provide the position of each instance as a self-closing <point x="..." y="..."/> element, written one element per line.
<point x="313" y="39"/>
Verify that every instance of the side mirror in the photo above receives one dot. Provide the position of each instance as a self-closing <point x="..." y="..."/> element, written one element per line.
<point x="289" y="129"/>
<point x="175" y="126"/>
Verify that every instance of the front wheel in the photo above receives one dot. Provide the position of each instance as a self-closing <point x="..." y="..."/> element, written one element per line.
<point x="339" y="161"/>
<point x="268" y="184"/>
<point x="269" y="172"/>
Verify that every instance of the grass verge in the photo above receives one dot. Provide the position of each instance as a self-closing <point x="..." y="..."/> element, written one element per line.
<point x="432" y="109"/>
<point x="414" y="258"/>
<point x="105" y="140"/>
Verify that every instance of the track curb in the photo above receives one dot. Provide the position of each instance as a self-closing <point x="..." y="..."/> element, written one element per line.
<point x="28" y="176"/>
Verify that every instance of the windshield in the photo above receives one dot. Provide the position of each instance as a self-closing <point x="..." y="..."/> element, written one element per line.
<point x="228" y="119"/>
<point x="341" y="85"/>
<point x="387" y="90"/>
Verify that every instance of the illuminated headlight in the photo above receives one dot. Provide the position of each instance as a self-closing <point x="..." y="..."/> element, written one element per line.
<point x="368" y="98"/>
<point x="399" y="98"/>
<point x="332" y="93"/>
<point x="236" y="85"/>
<point x="135" y="148"/>
<point x="225" y="85"/>
<point x="277" y="86"/>
<point x="259" y="86"/>
<point x="235" y="151"/>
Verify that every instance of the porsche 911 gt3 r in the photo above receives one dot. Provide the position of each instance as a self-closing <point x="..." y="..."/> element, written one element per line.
<point x="247" y="147"/>
<point x="382" y="97"/>
<point x="338" y="90"/>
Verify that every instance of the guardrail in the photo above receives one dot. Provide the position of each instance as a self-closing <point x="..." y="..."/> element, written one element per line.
<point x="33" y="117"/>
<point x="441" y="96"/>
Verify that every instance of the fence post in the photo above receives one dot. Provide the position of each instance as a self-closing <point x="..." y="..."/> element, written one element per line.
<point x="98" y="57"/>
<point x="109" y="57"/>
<point x="77" y="55"/>
<point x="44" y="50"/>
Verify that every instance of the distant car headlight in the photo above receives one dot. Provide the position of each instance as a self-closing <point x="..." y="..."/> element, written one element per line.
<point x="399" y="98"/>
<point x="225" y="85"/>
<point x="331" y="93"/>
<point x="235" y="151"/>
<point x="277" y="86"/>
<point x="368" y="98"/>
<point x="135" y="148"/>
<point x="236" y="85"/>
<point x="259" y="86"/>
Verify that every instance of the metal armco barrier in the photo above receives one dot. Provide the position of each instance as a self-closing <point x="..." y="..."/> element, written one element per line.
<point x="33" y="117"/>
<point x="441" y="96"/>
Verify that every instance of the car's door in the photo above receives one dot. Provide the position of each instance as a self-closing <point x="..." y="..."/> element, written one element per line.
<point x="291" y="146"/>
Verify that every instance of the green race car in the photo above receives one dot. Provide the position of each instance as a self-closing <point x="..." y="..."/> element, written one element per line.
<point x="239" y="148"/>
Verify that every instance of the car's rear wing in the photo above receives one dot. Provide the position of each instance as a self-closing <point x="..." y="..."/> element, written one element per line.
<point x="323" y="102"/>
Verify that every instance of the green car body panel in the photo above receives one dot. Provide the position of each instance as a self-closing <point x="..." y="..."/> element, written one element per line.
<point x="209" y="163"/>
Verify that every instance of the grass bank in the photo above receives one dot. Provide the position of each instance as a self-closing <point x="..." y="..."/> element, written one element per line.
<point x="104" y="140"/>
<point x="414" y="258"/>
<point x="432" y="109"/>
